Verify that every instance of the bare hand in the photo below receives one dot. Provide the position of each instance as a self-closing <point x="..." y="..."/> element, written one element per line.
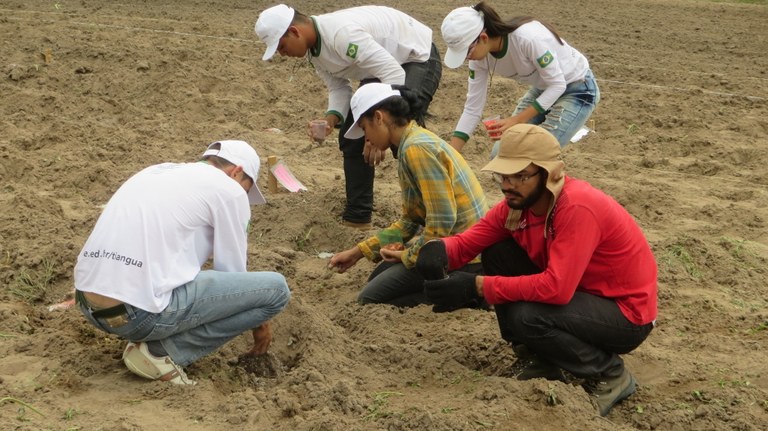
<point x="372" y="155"/>
<point x="262" y="338"/>
<point x="392" y="255"/>
<point x="313" y="134"/>
<point x="498" y="127"/>
<point x="309" y="130"/>
<point x="457" y="143"/>
<point x="340" y="262"/>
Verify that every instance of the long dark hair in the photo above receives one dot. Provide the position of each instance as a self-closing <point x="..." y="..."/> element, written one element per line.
<point x="495" y="26"/>
<point x="402" y="109"/>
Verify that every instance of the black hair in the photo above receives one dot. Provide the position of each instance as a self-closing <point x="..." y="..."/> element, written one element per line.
<point x="217" y="161"/>
<point x="402" y="109"/>
<point x="495" y="26"/>
<point x="299" y="18"/>
<point x="220" y="162"/>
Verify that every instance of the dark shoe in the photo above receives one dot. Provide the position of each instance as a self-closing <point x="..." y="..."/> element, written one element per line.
<point x="535" y="368"/>
<point x="609" y="391"/>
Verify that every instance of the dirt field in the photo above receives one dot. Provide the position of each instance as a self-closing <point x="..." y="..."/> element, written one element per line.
<point x="91" y="91"/>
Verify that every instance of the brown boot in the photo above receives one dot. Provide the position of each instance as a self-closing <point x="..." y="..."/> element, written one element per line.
<point x="606" y="392"/>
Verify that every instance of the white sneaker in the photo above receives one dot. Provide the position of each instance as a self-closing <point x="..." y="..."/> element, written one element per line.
<point x="138" y="359"/>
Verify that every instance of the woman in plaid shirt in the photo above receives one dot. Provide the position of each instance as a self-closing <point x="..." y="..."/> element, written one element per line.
<point x="441" y="196"/>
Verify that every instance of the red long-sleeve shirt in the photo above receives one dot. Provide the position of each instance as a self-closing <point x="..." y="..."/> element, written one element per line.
<point x="593" y="245"/>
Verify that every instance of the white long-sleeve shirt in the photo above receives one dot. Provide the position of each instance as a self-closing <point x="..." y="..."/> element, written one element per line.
<point x="365" y="42"/>
<point x="159" y="228"/>
<point x="530" y="55"/>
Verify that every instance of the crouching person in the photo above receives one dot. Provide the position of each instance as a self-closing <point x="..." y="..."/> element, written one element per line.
<point x="568" y="270"/>
<point x="139" y="274"/>
<point x="440" y="195"/>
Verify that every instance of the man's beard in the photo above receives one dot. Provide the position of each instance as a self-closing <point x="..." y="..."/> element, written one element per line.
<point x="531" y="199"/>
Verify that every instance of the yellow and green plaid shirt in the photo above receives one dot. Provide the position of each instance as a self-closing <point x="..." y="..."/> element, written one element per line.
<point x="439" y="192"/>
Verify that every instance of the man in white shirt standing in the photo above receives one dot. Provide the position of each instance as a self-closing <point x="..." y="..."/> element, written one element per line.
<point x="139" y="274"/>
<point x="366" y="44"/>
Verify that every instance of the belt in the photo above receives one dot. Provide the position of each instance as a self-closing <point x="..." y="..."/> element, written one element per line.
<point x="117" y="310"/>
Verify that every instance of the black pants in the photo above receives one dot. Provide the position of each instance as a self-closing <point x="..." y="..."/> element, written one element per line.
<point x="583" y="337"/>
<point x="393" y="283"/>
<point x="424" y="78"/>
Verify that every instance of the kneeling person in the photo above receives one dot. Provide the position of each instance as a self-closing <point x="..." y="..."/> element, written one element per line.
<point x="568" y="270"/>
<point x="440" y="194"/>
<point x="139" y="274"/>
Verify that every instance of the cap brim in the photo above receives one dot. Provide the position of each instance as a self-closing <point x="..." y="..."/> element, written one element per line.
<point x="255" y="197"/>
<point x="506" y="166"/>
<point x="270" y="51"/>
<point x="455" y="57"/>
<point x="354" y="132"/>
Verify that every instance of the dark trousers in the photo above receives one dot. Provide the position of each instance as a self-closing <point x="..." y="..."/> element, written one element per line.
<point x="583" y="337"/>
<point x="424" y="78"/>
<point x="393" y="283"/>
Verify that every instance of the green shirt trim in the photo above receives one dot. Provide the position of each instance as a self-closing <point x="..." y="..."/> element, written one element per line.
<point x="504" y="47"/>
<point x="317" y="47"/>
<point x="461" y="135"/>
<point x="336" y="113"/>
<point x="538" y="107"/>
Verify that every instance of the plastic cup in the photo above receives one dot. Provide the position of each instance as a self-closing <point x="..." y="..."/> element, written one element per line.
<point x="489" y="122"/>
<point x="390" y="239"/>
<point x="317" y="129"/>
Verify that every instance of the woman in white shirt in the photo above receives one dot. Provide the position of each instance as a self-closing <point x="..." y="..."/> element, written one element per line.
<point x="563" y="91"/>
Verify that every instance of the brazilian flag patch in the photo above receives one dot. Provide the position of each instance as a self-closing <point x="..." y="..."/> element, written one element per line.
<point x="471" y="74"/>
<point x="352" y="50"/>
<point x="545" y="59"/>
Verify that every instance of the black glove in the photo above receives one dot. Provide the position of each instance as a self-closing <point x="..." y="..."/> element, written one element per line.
<point x="454" y="292"/>
<point x="432" y="262"/>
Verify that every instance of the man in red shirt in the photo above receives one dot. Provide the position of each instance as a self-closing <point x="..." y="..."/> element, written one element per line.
<point x="569" y="272"/>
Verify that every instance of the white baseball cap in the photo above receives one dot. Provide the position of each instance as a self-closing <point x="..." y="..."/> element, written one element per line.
<point x="272" y="25"/>
<point x="240" y="153"/>
<point x="460" y="28"/>
<point x="364" y="98"/>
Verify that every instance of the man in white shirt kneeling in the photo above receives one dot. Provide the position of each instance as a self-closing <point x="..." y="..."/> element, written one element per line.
<point x="139" y="274"/>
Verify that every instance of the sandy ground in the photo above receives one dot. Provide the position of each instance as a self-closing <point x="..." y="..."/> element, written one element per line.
<point x="92" y="91"/>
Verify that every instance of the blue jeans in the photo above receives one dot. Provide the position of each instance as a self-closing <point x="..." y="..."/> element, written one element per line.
<point x="205" y="313"/>
<point x="569" y="113"/>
